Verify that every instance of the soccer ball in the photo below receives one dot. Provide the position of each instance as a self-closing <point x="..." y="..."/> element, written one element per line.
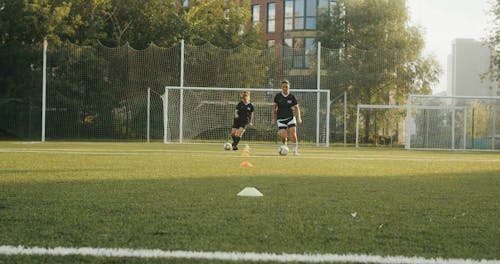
<point x="228" y="146"/>
<point x="283" y="150"/>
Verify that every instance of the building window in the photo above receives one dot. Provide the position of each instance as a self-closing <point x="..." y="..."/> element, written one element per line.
<point x="255" y="14"/>
<point x="302" y="52"/>
<point x="226" y="13"/>
<point x="288" y="15"/>
<point x="298" y="15"/>
<point x="323" y="6"/>
<point x="271" y="17"/>
<point x="303" y="14"/>
<point x="311" y="13"/>
<point x="271" y="43"/>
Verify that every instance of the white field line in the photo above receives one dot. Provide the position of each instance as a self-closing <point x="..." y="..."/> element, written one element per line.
<point x="232" y="256"/>
<point x="258" y="154"/>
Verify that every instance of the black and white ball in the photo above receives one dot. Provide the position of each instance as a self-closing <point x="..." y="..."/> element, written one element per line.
<point x="283" y="151"/>
<point x="228" y="146"/>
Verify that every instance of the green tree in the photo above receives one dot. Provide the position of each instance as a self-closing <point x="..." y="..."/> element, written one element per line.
<point x="221" y="23"/>
<point x="378" y="55"/>
<point x="494" y="42"/>
<point x="375" y="35"/>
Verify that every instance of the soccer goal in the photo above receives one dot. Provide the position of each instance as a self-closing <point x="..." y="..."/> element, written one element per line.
<point x="453" y="123"/>
<point x="205" y="115"/>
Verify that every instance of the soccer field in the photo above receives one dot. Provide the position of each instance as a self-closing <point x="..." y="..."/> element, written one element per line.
<point x="180" y="200"/>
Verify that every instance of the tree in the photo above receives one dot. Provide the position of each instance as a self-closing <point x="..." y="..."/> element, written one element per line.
<point x="378" y="56"/>
<point x="221" y="23"/>
<point x="494" y="43"/>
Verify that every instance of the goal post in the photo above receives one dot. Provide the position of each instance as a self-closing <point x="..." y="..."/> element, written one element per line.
<point x="205" y="115"/>
<point x="430" y="122"/>
<point x="453" y="122"/>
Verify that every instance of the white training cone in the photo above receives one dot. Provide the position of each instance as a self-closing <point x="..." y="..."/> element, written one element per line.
<point x="250" y="191"/>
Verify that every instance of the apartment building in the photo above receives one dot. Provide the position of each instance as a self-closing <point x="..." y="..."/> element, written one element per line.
<point x="291" y="23"/>
<point x="467" y="65"/>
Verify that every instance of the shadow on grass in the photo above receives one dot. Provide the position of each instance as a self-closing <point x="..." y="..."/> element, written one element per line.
<point x="451" y="216"/>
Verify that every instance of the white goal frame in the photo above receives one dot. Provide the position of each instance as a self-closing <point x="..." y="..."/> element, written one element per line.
<point x="181" y="89"/>
<point x="465" y="123"/>
<point x="436" y="102"/>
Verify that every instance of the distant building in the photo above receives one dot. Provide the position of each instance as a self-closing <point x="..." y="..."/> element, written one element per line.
<point x="290" y="22"/>
<point x="467" y="64"/>
<point x="294" y="24"/>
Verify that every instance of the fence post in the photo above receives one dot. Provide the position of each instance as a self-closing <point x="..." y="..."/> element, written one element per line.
<point x="181" y="95"/>
<point x="44" y="87"/>
<point x="318" y="87"/>
<point x="345" y="118"/>
<point x="148" y="119"/>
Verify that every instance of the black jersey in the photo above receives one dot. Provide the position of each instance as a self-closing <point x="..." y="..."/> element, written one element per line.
<point x="285" y="104"/>
<point x="244" y="111"/>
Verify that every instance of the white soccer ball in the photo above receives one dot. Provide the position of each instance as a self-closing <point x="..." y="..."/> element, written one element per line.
<point x="228" y="146"/>
<point x="283" y="150"/>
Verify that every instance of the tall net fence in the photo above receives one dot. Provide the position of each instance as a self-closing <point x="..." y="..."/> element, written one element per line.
<point x="100" y="93"/>
<point x="20" y="91"/>
<point x="356" y="76"/>
<point x="380" y="125"/>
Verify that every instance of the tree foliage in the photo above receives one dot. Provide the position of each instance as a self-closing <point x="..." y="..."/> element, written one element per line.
<point x="137" y="22"/>
<point x="494" y="42"/>
<point x="377" y="55"/>
<point x="375" y="38"/>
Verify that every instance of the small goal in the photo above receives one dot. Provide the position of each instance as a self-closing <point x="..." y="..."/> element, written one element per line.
<point x="453" y="122"/>
<point x="432" y="123"/>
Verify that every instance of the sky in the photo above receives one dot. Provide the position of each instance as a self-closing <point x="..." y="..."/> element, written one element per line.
<point x="442" y="21"/>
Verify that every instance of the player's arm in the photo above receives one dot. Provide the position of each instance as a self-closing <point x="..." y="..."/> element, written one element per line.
<point x="296" y="109"/>
<point x="236" y="112"/>
<point x="250" y="118"/>
<point x="274" y="112"/>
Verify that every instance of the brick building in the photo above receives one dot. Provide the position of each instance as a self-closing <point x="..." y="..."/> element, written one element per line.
<point x="292" y="23"/>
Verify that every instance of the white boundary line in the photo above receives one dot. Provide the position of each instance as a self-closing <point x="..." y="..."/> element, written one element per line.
<point x="232" y="256"/>
<point x="258" y="154"/>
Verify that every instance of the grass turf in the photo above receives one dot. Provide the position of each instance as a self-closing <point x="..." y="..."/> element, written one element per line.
<point x="183" y="197"/>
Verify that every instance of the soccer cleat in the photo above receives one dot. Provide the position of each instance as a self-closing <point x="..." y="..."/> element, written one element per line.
<point x="295" y="153"/>
<point x="235" y="148"/>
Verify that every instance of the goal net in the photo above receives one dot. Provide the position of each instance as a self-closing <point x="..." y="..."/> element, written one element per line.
<point x="205" y="115"/>
<point x="380" y="125"/>
<point x="453" y="123"/>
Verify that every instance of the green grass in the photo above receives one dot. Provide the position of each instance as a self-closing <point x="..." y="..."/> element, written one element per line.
<point x="183" y="197"/>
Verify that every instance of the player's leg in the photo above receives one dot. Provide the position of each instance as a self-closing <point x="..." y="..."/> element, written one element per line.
<point x="238" y="135"/>
<point x="283" y="135"/>
<point x="282" y="127"/>
<point x="233" y="134"/>
<point x="293" y="138"/>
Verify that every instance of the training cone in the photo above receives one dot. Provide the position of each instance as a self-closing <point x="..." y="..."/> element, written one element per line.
<point x="246" y="151"/>
<point x="246" y="164"/>
<point x="250" y="191"/>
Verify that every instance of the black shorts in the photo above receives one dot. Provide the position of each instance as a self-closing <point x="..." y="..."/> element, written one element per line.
<point x="237" y="123"/>
<point x="286" y="122"/>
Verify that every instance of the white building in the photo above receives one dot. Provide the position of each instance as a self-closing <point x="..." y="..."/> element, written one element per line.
<point x="468" y="62"/>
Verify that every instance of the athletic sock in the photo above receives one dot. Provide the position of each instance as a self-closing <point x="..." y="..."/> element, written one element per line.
<point x="236" y="141"/>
